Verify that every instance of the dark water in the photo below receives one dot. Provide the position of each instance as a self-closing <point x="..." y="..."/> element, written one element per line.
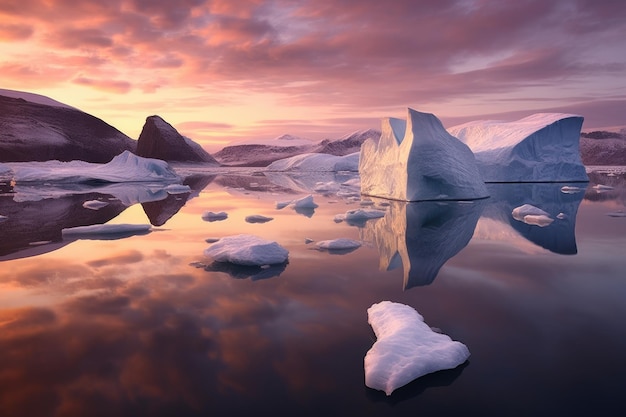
<point x="145" y="325"/>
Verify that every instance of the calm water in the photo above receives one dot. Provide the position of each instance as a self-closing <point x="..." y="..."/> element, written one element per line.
<point x="146" y="325"/>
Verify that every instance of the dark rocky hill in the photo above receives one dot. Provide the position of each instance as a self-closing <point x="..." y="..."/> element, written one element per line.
<point x="38" y="132"/>
<point x="160" y="140"/>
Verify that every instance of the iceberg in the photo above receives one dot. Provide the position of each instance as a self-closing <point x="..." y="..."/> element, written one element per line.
<point x="416" y="160"/>
<point x="258" y="218"/>
<point x="543" y="147"/>
<point x="247" y="250"/>
<point x="406" y="348"/>
<point x="125" y="167"/>
<point x="95" y="204"/>
<point x="317" y="162"/>
<point x="211" y="216"/>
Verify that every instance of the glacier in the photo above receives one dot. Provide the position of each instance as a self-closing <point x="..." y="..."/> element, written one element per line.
<point x="418" y="160"/>
<point x="406" y="348"/>
<point x="543" y="147"/>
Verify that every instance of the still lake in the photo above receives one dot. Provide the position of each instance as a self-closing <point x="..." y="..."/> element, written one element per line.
<point x="146" y="325"/>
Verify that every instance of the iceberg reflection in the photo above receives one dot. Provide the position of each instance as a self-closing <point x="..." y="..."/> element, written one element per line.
<point x="557" y="236"/>
<point x="422" y="236"/>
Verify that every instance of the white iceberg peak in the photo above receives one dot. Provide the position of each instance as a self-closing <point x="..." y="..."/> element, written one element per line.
<point x="417" y="160"/>
<point x="540" y="147"/>
<point x="406" y="348"/>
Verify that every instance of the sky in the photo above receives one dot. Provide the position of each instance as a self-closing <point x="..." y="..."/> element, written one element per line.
<point x="222" y="70"/>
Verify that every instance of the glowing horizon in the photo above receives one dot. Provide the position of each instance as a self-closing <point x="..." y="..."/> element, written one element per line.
<point x="221" y="72"/>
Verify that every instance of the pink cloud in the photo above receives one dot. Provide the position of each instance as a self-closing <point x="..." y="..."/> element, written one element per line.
<point x="114" y="86"/>
<point x="17" y="32"/>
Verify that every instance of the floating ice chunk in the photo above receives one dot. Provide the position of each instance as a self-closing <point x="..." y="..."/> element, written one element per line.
<point x="406" y="348"/>
<point x="561" y="216"/>
<point x="618" y="213"/>
<point x="106" y="231"/>
<point x="305" y="203"/>
<point x="308" y="240"/>
<point x="330" y="186"/>
<point x="338" y="244"/>
<point x="416" y="159"/>
<point x="125" y="167"/>
<point x="258" y="218"/>
<point x="540" y="147"/>
<point x="601" y="187"/>
<point x="211" y="216"/>
<point x="568" y="189"/>
<point x="3" y="218"/>
<point x="359" y="216"/>
<point x="178" y="189"/>
<point x="532" y="215"/>
<point x="95" y="204"/>
<point x="352" y="182"/>
<point x="247" y="250"/>
<point x="537" y="220"/>
<point x="211" y="239"/>
<point x="282" y="204"/>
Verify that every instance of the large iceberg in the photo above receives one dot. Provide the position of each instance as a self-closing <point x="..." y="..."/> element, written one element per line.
<point x="125" y="167"/>
<point x="406" y="348"/>
<point x="418" y="160"/>
<point x="543" y="147"/>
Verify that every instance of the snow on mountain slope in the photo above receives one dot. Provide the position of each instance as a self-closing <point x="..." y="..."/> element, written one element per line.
<point x="34" y="98"/>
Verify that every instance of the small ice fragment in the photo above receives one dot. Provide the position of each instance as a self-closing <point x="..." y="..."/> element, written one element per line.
<point x="177" y="189"/>
<point x="95" y="204"/>
<point x="3" y="218"/>
<point x="326" y="186"/>
<point x="601" y="187"/>
<point x="338" y="244"/>
<point x="282" y="204"/>
<point x="363" y="214"/>
<point x="561" y="216"/>
<point x="537" y="220"/>
<point x="211" y="239"/>
<point x="307" y="240"/>
<point x="568" y="189"/>
<point x="247" y="250"/>
<point x="366" y="203"/>
<point x="520" y="212"/>
<point x="39" y="242"/>
<point x="258" y="218"/>
<point x="305" y="202"/>
<point x="210" y="216"/>
<point x="618" y="213"/>
<point x="406" y="348"/>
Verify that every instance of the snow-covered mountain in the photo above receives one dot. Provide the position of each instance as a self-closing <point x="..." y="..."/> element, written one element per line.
<point x="261" y="153"/>
<point x="35" y="128"/>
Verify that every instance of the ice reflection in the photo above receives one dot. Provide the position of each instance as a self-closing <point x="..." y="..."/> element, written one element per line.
<point x="36" y="214"/>
<point x="558" y="236"/>
<point x="422" y="236"/>
<point x="253" y="272"/>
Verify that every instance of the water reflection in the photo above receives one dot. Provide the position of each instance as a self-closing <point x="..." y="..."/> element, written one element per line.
<point x="36" y="214"/>
<point x="253" y="272"/>
<point x="422" y="236"/>
<point x="558" y="236"/>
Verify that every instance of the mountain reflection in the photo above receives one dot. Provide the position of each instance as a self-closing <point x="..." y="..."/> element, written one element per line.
<point x="422" y="236"/>
<point x="36" y="214"/>
<point x="559" y="236"/>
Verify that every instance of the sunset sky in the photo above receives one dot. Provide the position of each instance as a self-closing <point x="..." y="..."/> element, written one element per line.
<point x="225" y="70"/>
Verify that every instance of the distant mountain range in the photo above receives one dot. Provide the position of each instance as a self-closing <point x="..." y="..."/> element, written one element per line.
<point x="38" y="128"/>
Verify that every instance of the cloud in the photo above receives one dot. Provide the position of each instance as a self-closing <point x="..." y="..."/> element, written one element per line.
<point x="115" y="86"/>
<point x="17" y="32"/>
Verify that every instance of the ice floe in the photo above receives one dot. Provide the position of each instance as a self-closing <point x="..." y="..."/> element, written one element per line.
<point x="416" y="160"/>
<point x="406" y="348"/>
<point x="125" y="167"/>
<point x="339" y="244"/>
<point x="95" y="204"/>
<point x="359" y="216"/>
<point x="569" y="189"/>
<point x="540" y="147"/>
<point x="211" y="216"/>
<point x="106" y="231"/>
<point x="245" y="249"/>
<point x="532" y="215"/>
<point x="258" y="218"/>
